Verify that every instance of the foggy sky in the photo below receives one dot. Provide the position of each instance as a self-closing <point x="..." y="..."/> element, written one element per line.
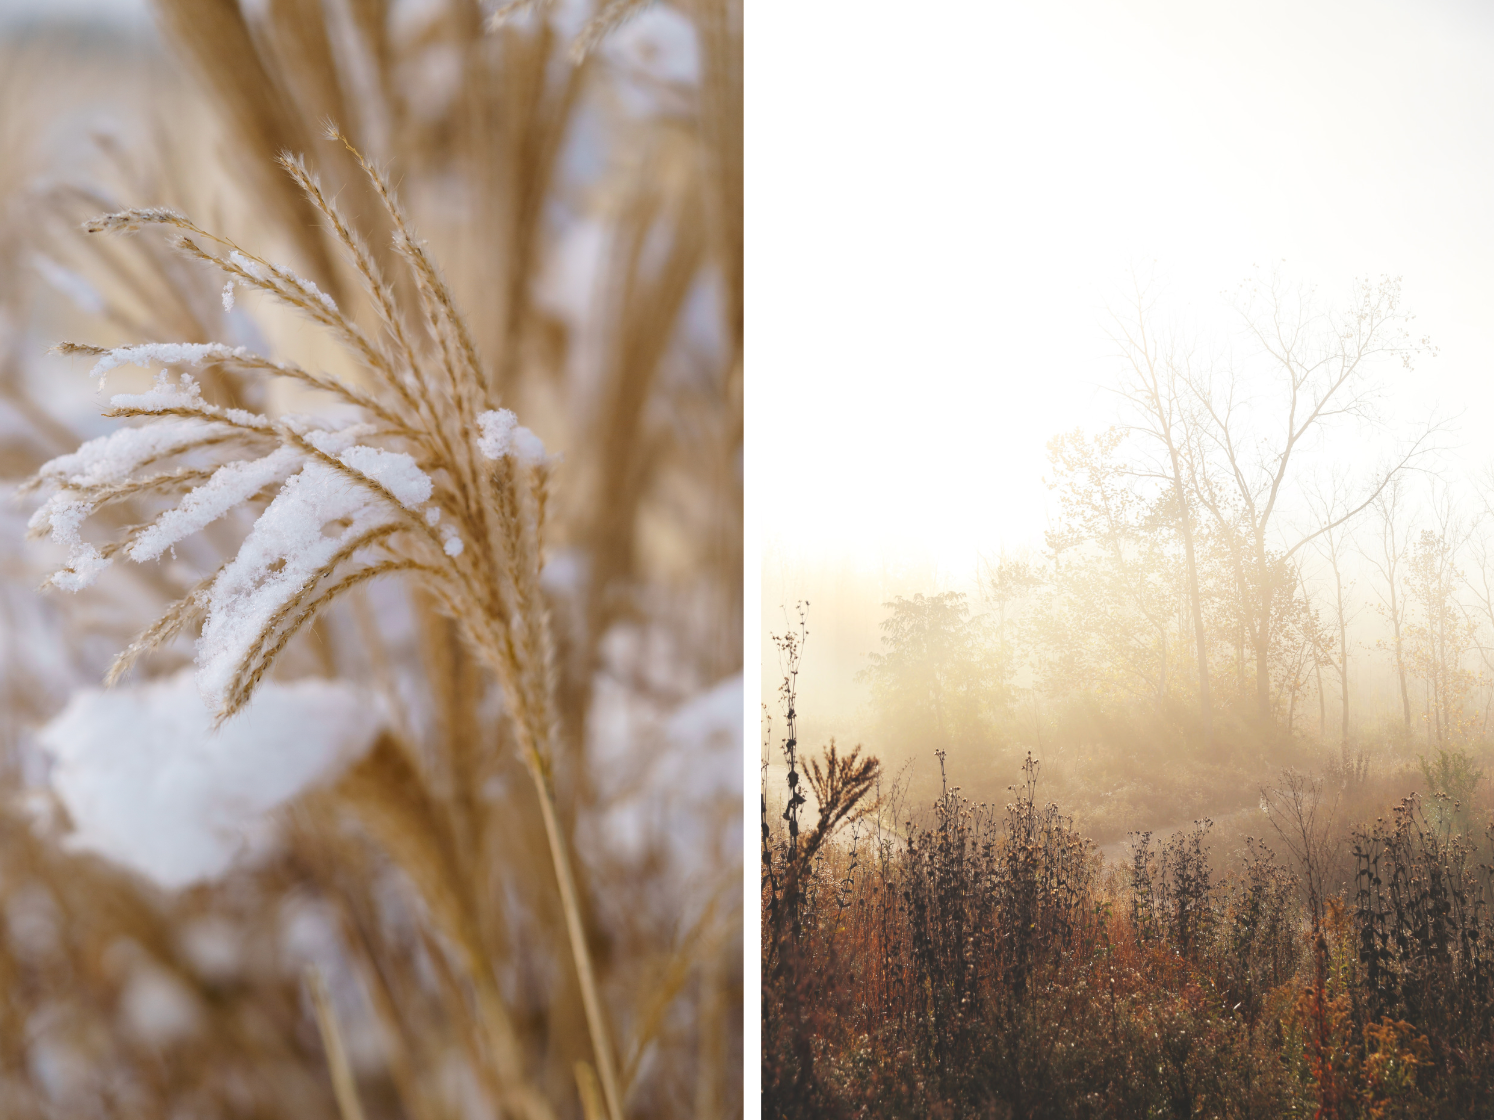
<point x="938" y="222"/>
<point x="935" y="244"/>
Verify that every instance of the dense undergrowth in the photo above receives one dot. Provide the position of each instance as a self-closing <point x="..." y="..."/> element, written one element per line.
<point x="970" y="960"/>
<point x="992" y="964"/>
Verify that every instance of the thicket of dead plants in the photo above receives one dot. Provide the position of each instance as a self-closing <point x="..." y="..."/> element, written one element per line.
<point x="969" y="960"/>
<point x="480" y="940"/>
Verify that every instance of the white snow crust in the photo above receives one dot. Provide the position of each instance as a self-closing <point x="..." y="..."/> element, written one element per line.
<point x="501" y="434"/>
<point x="166" y="354"/>
<point x="112" y="458"/>
<point x="396" y="471"/>
<point x="148" y="784"/>
<point x="229" y="486"/>
<point x="279" y="557"/>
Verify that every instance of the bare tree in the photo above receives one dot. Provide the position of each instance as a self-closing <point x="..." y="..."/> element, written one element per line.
<point x="1440" y="632"/>
<point x="1480" y="550"/>
<point x="1388" y="557"/>
<point x="1115" y="586"/>
<point x="1155" y="384"/>
<point x="1248" y="472"/>
<point x="1306" y="651"/>
<point x="1333" y="547"/>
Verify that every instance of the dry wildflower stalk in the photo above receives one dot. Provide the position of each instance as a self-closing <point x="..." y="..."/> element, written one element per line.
<point x="440" y="485"/>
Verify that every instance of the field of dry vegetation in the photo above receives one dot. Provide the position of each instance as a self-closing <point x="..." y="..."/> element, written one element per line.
<point x="371" y="393"/>
<point x="967" y="959"/>
<point x="1186" y="813"/>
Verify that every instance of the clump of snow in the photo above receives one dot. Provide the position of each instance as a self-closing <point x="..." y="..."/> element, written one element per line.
<point x="63" y="515"/>
<point x="396" y="471"/>
<point x="113" y="457"/>
<point x="215" y="947"/>
<point x="283" y="553"/>
<point x="84" y="565"/>
<point x="252" y="267"/>
<point x="501" y="434"/>
<point x="166" y="354"/>
<point x="163" y="395"/>
<point x="150" y="785"/>
<point x="451" y="543"/>
<point x="528" y="448"/>
<point x="497" y="429"/>
<point x="707" y="732"/>
<point x="308" y="935"/>
<point x="564" y="573"/>
<point x="64" y="1072"/>
<point x="33" y="923"/>
<point x="228" y="296"/>
<point x="684" y="794"/>
<point x="328" y="440"/>
<point x="228" y="487"/>
<point x="567" y="284"/>
<point x="156" y="1007"/>
<point x="658" y="42"/>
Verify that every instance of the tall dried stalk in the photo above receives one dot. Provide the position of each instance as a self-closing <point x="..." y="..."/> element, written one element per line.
<point x="493" y="489"/>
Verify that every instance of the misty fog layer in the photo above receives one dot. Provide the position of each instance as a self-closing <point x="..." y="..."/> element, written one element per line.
<point x="1255" y="563"/>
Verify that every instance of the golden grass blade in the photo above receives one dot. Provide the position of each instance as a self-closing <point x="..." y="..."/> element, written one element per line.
<point x="592" y="1105"/>
<point x="446" y="322"/>
<point x="214" y="37"/>
<point x="601" y="1040"/>
<point x="666" y="988"/>
<point x="388" y="794"/>
<point x="344" y="1087"/>
<point x="412" y="386"/>
<point x="176" y="618"/>
<point x="300" y="609"/>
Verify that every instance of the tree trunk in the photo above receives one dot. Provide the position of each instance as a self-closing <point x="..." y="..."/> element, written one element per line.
<point x="1400" y="659"/>
<point x="1261" y="634"/>
<point x="1195" y="602"/>
<point x="1263" y="678"/>
<point x="1322" y="705"/>
<point x="1343" y="677"/>
<point x="1343" y="654"/>
<point x="1162" y="671"/>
